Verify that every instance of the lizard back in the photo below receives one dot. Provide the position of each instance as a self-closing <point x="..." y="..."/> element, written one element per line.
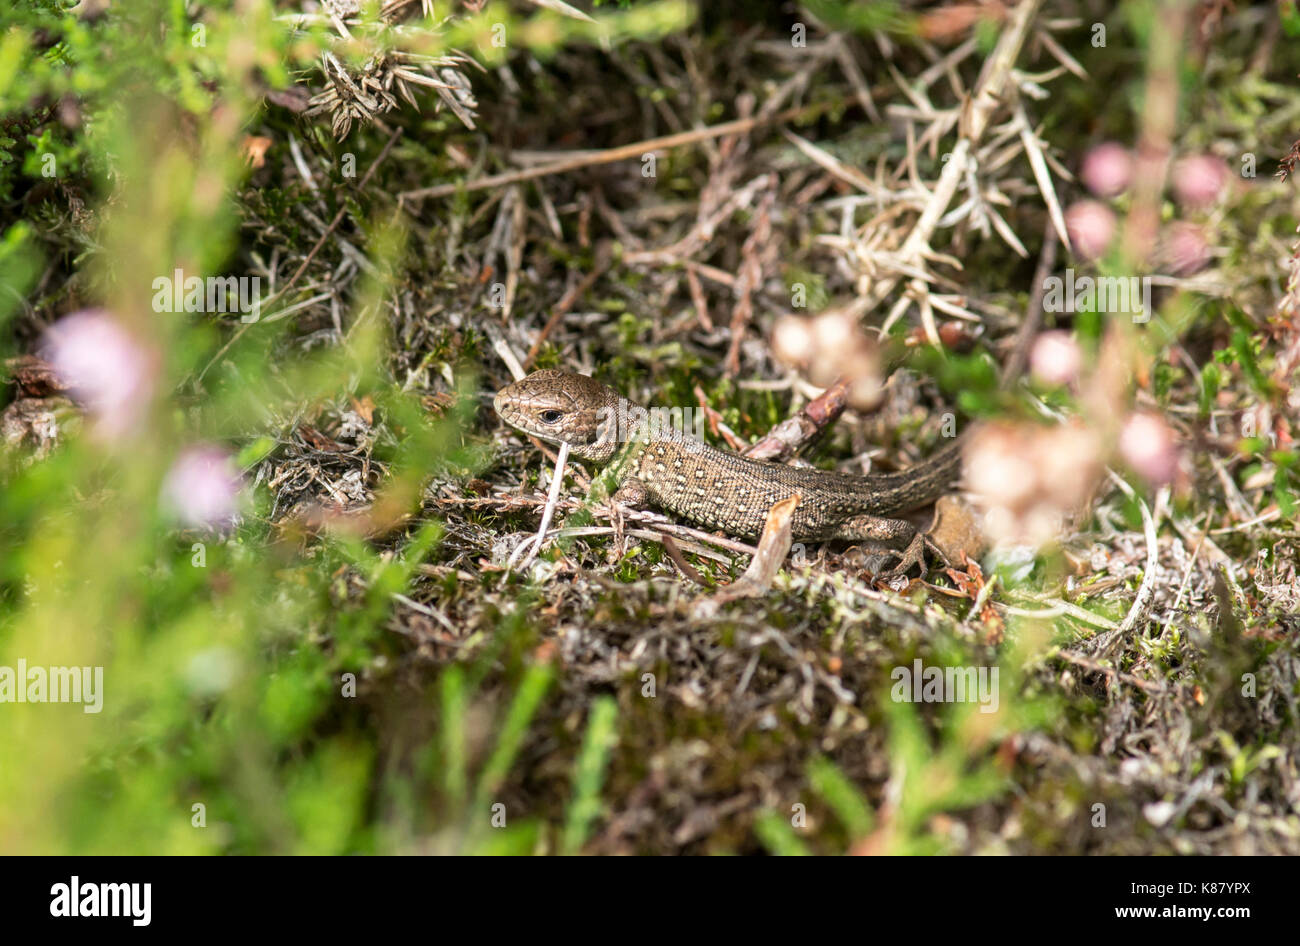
<point x="721" y="490"/>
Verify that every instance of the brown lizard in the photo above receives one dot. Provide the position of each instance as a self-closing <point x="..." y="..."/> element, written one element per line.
<point x="664" y="467"/>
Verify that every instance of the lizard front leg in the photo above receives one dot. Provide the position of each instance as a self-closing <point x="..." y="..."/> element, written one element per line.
<point x="631" y="494"/>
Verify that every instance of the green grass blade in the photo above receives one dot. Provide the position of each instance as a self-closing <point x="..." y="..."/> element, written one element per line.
<point x="777" y="835"/>
<point x="522" y="709"/>
<point x="453" y="736"/>
<point x="589" y="773"/>
<point x="842" y="795"/>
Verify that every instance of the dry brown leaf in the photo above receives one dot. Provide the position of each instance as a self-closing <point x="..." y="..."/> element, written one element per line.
<point x="773" y="547"/>
<point x="254" y="148"/>
<point x="365" y="408"/>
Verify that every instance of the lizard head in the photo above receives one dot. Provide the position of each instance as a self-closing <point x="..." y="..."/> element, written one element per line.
<point x="561" y="407"/>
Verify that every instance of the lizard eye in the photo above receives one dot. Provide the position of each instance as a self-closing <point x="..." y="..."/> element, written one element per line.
<point x="551" y="417"/>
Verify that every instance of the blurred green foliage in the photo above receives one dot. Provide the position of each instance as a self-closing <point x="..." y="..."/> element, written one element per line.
<point x="234" y="715"/>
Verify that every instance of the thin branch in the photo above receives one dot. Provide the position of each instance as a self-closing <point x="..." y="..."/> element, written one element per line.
<point x="611" y="155"/>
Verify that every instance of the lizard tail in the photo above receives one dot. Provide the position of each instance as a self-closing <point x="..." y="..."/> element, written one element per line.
<point x="925" y="482"/>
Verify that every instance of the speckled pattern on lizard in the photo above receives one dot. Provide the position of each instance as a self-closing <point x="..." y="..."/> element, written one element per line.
<point x="715" y="489"/>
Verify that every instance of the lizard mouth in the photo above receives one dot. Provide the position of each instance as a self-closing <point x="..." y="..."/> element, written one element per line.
<point x="511" y="417"/>
<point x="518" y="419"/>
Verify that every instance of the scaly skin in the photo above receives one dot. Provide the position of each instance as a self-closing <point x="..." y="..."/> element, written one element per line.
<point x="719" y="490"/>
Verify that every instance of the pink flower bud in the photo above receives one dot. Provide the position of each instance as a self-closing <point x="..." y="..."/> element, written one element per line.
<point x="1198" y="180"/>
<point x="833" y="331"/>
<point x="1091" y="225"/>
<point x="104" y="367"/>
<point x="792" y="340"/>
<point x="1148" y="447"/>
<point x="1055" y="358"/>
<point x="202" y="487"/>
<point x="1186" y="250"/>
<point x="1107" y="169"/>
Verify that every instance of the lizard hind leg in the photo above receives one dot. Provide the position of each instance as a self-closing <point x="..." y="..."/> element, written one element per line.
<point x="897" y="535"/>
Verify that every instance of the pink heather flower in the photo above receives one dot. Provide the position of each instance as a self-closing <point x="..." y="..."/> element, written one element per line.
<point x="1147" y="445"/>
<point x="1091" y="225"/>
<point x="1107" y="169"/>
<point x="202" y="487"/>
<point x="1055" y="358"/>
<point x="1199" y="179"/>
<point x="1028" y="480"/>
<point x="104" y="367"/>
<point x="828" y="346"/>
<point x="999" y="469"/>
<point x="833" y="331"/>
<point x="791" y="339"/>
<point x="1185" y="249"/>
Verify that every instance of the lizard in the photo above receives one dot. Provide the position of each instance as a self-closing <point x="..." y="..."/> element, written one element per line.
<point x="715" y="489"/>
